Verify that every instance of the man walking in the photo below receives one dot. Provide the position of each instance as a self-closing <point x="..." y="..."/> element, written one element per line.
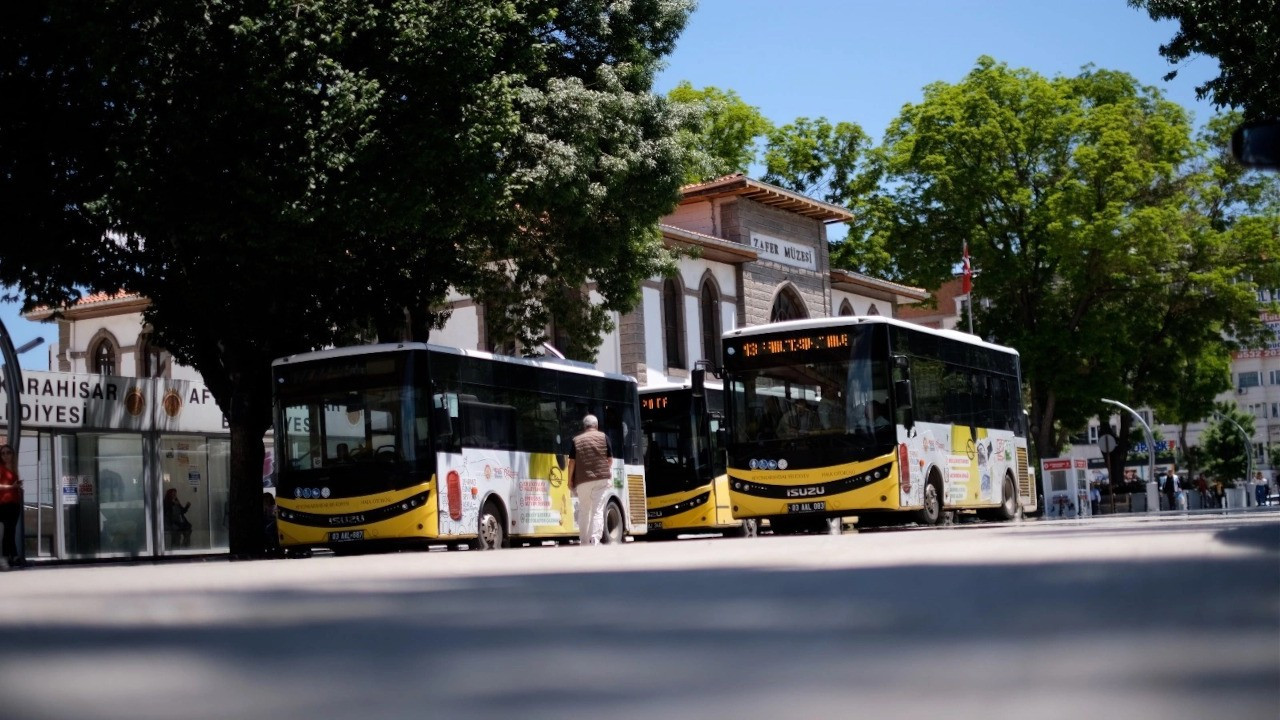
<point x="590" y="471"/>
<point x="1171" y="487"/>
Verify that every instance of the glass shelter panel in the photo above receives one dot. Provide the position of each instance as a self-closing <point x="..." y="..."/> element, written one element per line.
<point x="103" y="495"/>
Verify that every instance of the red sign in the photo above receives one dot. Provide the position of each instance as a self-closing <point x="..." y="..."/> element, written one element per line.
<point x="1057" y="464"/>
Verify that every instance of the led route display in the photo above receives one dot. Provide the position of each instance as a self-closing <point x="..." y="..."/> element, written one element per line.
<point x="794" y="344"/>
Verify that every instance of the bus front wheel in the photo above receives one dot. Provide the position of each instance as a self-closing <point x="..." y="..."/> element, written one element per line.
<point x="614" y="528"/>
<point x="491" y="534"/>
<point x="931" y="513"/>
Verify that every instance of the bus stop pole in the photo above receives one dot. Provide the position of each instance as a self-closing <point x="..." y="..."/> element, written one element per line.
<point x="1151" y="443"/>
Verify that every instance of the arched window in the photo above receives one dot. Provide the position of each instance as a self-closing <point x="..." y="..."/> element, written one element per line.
<point x="497" y="338"/>
<point x="788" y="306"/>
<point x="104" y="358"/>
<point x="559" y="334"/>
<point x="672" y="327"/>
<point x="873" y="310"/>
<point x="710" y="302"/>
<point x="150" y="357"/>
<point x="846" y="308"/>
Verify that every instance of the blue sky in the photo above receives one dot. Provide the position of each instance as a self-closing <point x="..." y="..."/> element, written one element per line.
<point x="861" y="60"/>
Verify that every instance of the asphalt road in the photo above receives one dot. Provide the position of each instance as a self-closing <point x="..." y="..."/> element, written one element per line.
<point x="1148" y="617"/>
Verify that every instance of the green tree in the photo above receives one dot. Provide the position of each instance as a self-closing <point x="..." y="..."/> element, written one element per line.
<point x="1083" y="201"/>
<point x="282" y="176"/>
<point x="816" y="158"/>
<point x="1242" y="35"/>
<point x="719" y="131"/>
<point x="1226" y="454"/>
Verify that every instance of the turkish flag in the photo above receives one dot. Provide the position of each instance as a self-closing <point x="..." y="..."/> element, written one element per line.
<point x="966" y="283"/>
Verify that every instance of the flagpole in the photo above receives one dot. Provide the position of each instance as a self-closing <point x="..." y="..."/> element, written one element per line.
<point x="967" y="284"/>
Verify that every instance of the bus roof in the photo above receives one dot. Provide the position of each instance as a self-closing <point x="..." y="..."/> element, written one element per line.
<point x="550" y="363"/>
<point x="812" y="323"/>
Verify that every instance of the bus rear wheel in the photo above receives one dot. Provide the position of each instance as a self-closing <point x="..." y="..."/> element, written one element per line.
<point x="614" y="528"/>
<point x="491" y="534"/>
<point x="931" y="513"/>
<point x="1008" y="509"/>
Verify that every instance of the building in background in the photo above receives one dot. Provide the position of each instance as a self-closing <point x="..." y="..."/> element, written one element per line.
<point x="115" y="423"/>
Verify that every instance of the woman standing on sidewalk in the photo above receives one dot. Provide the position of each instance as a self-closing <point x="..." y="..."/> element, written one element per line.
<point x="10" y="504"/>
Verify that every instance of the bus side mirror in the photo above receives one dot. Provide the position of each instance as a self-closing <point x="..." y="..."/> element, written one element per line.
<point x="699" y="377"/>
<point x="902" y="394"/>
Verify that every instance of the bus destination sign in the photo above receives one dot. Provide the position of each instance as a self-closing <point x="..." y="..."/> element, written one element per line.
<point x="798" y="343"/>
<point x="654" y="402"/>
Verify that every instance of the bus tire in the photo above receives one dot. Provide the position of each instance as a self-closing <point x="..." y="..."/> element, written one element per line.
<point x="615" y="529"/>
<point x="1008" y="509"/>
<point x="491" y="533"/>
<point x="931" y="513"/>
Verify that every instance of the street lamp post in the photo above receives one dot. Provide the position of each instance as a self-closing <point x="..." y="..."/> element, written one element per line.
<point x="1151" y="446"/>
<point x="13" y="384"/>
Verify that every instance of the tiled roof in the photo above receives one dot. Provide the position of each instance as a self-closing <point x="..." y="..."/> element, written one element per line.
<point x="739" y="185"/>
<point x="92" y="305"/>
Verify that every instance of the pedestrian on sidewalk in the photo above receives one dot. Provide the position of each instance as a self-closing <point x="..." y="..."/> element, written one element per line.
<point x="1260" y="489"/>
<point x="10" y="506"/>
<point x="1171" y="487"/>
<point x="590" y="471"/>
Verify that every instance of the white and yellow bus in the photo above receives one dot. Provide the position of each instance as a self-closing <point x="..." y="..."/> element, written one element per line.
<point x="835" y="417"/>
<point x="688" y="490"/>
<point x="383" y="446"/>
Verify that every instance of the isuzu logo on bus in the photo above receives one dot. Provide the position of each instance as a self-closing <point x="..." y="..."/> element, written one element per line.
<point x="806" y="491"/>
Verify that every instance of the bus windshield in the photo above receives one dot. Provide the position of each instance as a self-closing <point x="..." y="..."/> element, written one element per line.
<point x="356" y="426"/>
<point x="355" y="421"/>
<point x="671" y="461"/>
<point x="840" y="393"/>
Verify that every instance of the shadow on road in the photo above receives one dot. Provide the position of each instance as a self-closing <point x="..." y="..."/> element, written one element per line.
<point x="1145" y="639"/>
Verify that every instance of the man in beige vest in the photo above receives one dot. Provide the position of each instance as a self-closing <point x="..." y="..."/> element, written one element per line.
<point x="590" y="472"/>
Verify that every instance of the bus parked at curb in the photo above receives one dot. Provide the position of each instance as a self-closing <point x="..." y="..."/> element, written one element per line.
<point x="872" y="417"/>
<point x="386" y="446"/>
<point x="688" y="490"/>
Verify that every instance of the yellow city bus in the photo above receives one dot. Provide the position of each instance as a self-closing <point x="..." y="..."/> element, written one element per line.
<point x="861" y="416"/>
<point x="688" y="491"/>
<point x="384" y="446"/>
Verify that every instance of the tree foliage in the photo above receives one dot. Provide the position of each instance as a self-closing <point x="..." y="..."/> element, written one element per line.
<point x="1225" y="451"/>
<point x="816" y="158"/>
<point x="1242" y="35"/>
<point x="720" y="131"/>
<point x="1119" y="254"/>
<point x="281" y="176"/>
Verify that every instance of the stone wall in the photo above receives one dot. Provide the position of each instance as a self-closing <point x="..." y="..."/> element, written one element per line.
<point x="761" y="280"/>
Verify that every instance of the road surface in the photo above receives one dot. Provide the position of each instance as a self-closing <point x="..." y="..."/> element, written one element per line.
<point x="1136" y="617"/>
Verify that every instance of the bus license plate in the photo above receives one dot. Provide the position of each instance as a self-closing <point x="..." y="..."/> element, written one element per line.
<point x="346" y="535"/>
<point x="806" y="507"/>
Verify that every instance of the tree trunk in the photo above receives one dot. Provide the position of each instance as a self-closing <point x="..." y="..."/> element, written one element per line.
<point x="249" y="420"/>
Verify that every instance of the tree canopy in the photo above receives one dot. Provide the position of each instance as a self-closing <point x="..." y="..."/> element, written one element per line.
<point x="1242" y="35"/>
<point x="1225" y="451"/>
<point x="1117" y="252"/>
<point x="281" y="176"/>
<point x="720" y="131"/>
